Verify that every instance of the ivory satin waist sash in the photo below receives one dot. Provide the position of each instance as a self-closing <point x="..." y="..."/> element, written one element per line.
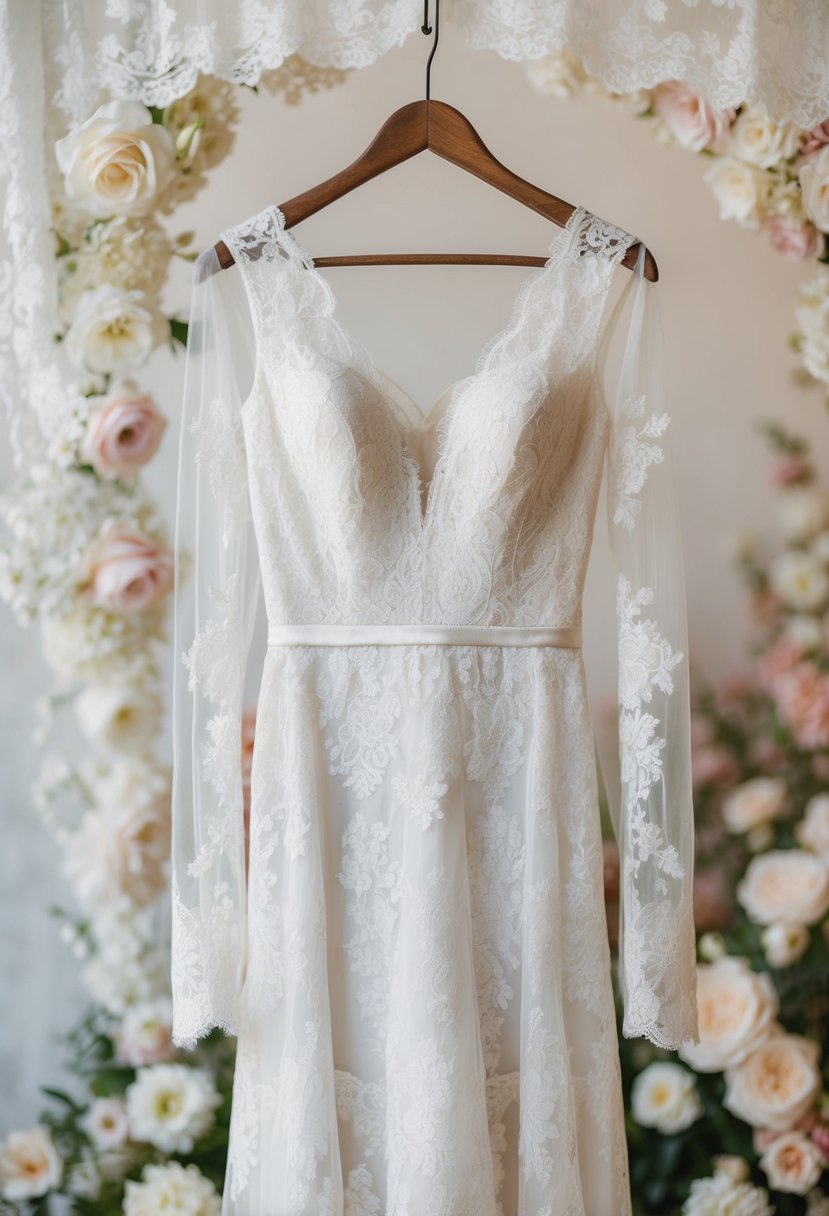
<point x="423" y="635"/>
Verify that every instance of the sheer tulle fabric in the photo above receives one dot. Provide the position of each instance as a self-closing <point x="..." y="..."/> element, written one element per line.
<point x="418" y="965"/>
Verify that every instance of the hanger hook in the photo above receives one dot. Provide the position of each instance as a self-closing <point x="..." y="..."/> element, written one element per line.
<point x="426" y="28"/>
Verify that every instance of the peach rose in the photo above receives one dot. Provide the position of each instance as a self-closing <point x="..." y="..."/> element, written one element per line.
<point x="786" y="885"/>
<point x="736" y="1009"/>
<point x="813" y="829"/>
<point x="125" y="570"/>
<point x="754" y="802"/>
<point x="30" y="1165"/>
<point x="693" y="123"/>
<point x="792" y="1163"/>
<point x="122" y="433"/>
<point x="803" y="700"/>
<point x="816" y="139"/>
<point x="777" y="1084"/>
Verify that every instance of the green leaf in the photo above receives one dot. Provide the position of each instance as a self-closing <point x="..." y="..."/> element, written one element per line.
<point x="178" y="331"/>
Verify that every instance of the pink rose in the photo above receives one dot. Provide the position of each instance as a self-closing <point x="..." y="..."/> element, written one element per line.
<point x="125" y="570"/>
<point x="122" y="433"/>
<point x="794" y="240"/>
<point x="780" y="659"/>
<point x="803" y="700"/>
<point x="792" y="470"/>
<point x="820" y="1135"/>
<point x="693" y="123"/>
<point x="714" y="766"/>
<point x="816" y="139"/>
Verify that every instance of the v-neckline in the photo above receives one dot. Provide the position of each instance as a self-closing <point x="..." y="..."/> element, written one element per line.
<point x="376" y="376"/>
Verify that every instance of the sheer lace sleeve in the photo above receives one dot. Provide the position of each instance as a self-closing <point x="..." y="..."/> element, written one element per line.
<point x="216" y="595"/>
<point x="651" y="806"/>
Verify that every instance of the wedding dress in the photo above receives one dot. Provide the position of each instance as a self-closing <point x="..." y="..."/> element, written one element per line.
<point x="415" y="957"/>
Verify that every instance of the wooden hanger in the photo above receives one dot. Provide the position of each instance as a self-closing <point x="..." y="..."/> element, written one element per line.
<point x="448" y="133"/>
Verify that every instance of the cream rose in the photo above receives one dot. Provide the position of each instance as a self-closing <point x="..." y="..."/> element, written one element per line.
<point x="785" y="885"/>
<point x="665" y="1096"/>
<point x="693" y="123"/>
<point x="792" y="1163"/>
<point x="119" y="717"/>
<point x="144" y="1035"/>
<point x="171" y="1106"/>
<point x="125" y="571"/>
<point x="112" y="331"/>
<point x="30" y="1165"/>
<point x="784" y="944"/>
<point x="736" y="1009"/>
<point x="120" y="848"/>
<point x="558" y="74"/>
<point x="813" y="829"/>
<point x="106" y="1123"/>
<point x="801" y="582"/>
<point x="741" y="191"/>
<point x="804" y="512"/>
<point x="118" y="161"/>
<point x="754" y="802"/>
<point x="777" y="1084"/>
<point x="173" y="1188"/>
<point x="759" y="140"/>
<point x="814" y="184"/>
<point x="123" y="432"/>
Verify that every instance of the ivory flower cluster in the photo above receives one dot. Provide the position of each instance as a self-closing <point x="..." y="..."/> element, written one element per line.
<point x="765" y="174"/>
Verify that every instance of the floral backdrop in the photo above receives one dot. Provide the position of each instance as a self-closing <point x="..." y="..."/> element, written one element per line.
<point x="736" y="1124"/>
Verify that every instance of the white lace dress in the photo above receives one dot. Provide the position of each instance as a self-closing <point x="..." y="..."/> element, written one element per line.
<point x="416" y="961"/>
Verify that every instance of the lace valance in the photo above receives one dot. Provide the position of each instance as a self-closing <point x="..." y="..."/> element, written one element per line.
<point x="772" y="51"/>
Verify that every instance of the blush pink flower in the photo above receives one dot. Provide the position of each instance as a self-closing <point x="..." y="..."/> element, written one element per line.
<point x="780" y="659"/>
<point x="802" y="697"/>
<point x="693" y="123"/>
<point x="714" y="766"/>
<point x="123" y="432"/>
<point x="791" y="470"/>
<point x="816" y="139"/>
<point x="820" y="1135"/>
<point x="791" y="238"/>
<point x="125" y="571"/>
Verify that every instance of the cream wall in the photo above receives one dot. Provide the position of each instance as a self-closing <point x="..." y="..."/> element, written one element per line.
<point x="727" y="307"/>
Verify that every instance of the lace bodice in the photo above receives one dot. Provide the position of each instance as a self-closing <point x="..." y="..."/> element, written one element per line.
<point x="504" y="534"/>
<point x="305" y="470"/>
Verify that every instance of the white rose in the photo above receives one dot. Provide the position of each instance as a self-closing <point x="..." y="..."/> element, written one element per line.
<point x="721" y="1196"/>
<point x="558" y="74"/>
<point x="793" y="1163"/>
<point x="173" y="1188"/>
<point x="803" y="512"/>
<point x="761" y="141"/>
<point x="784" y="944"/>
<point x="665" y="1096"/>
<point x="736" y="1010"/>
<point x="813" y="829"/>
<point x="777" y="1084"/>
<point x="30" y="1165"/>
<point x="118" y="161"/>
<point x="801" y="582"/>
<point x="741" y="190"/>
<point x="112" y="331"/>
<point x="106" y="1123"/>
<point x="119" y="717"/>
<point x="814" y="183"/>
<point x="754" y="802"/>
<point x="805" y="632"/>
<point x="785" y="885"/>
<point x="171" y="1106"/>
<point x="735" y="1168"/>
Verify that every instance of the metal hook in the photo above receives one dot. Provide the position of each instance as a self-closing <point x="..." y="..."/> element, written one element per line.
<point x="426" y="28"/>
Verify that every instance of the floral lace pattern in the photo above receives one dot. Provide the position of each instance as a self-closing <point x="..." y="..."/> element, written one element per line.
<point x="423" y="990"/>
